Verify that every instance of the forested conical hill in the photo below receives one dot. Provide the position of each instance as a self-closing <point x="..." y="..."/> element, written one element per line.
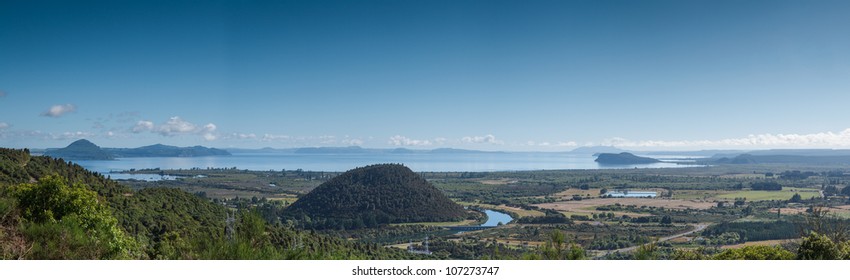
<point x="378" y="194"/>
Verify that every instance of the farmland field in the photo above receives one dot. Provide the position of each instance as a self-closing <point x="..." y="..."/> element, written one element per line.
<point x="784" y="194"/>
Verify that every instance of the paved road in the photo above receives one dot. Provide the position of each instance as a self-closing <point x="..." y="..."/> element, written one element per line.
<point x="697" y="228"/>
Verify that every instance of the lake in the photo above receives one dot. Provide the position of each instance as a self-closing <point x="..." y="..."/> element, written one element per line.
<point x="463" y="162"/>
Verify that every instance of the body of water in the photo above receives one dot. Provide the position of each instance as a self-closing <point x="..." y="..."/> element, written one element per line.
<point x="496" y="217"/>
<point x="464" y="162"/>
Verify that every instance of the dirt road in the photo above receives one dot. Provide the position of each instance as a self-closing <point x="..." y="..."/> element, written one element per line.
<point x="698" y="227"/>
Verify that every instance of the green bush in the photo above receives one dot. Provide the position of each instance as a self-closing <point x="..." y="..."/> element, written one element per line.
<point x="59" y="218"/>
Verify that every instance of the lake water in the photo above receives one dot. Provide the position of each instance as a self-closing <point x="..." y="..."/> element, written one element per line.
<point x="496" y="217"/>
<point x="467" y="162"/>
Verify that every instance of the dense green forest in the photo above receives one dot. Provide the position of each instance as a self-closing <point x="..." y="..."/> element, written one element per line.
<point x="52" y="209"/>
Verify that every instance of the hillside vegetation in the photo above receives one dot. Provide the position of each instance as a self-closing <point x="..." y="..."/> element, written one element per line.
<point x="375" y="195"/>
<point x="52" y="209"/>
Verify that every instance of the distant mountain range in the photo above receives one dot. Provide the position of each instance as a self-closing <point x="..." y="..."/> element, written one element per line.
<point x="839" y="158"/>
<point x="357" y="150"/>
<point x="86" y="150"/>
<point x="160" y="150"/>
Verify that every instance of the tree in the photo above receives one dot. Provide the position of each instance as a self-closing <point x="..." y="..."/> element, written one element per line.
<point x="61" y="216"/>
<point x="845" y="191"/>
<point x="820" y="247"/>
<point x="755" y="253"/>
<point x="556" y="248"/>
<point x="796" y="198"/>
<point x="647" y="251"/>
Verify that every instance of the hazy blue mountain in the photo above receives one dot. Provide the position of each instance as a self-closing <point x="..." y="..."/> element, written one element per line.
<point x="80" y="150"/>
<point x="266" y="150"/>
<point x="402" y="151"/>
<point x="779" y="159"/>
<point x="459" y="151"/>
<point x="624" y="158"/>
<point x="596" y="150"/>
<point x="801" y="152"/>
<point x="700" y="153"/>
<point x="332" y="150"/>
<point x="160" y="150"/>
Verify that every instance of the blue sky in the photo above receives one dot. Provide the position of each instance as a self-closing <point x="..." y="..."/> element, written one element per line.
<point x="489" y="75"/>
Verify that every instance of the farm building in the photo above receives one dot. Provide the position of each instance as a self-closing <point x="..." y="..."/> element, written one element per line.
<point x="643" y="194"/>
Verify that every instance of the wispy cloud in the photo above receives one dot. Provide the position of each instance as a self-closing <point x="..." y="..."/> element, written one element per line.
<point x="486" y="139"/>
<point x="71" y="135"/>
<point x="4" y="125"/>
<point x="352" y="142"/>
<point x="56" y="111"/>
<point x="143" y="126"/>
<point x="176" y="126"/>
<point x="399" y="140"/>
<point x="327" y="139"/>
<point x="274" y="137"/>
<point x="241" y="136"/>
<point x="813" y="140"/>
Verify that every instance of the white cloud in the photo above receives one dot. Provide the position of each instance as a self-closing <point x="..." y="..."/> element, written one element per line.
<point x="814" y="140"/>
<point x="143" y="126"/>
<point x="567" y="144"/>
<point x="56" y="111"/>
<point x="4" y="125"/>
<point x="272" y="137"/>
<point x="176" y="126"/>
<point x="352" y="142"/>
<point x="488" y="139"/>
<point x="70" y="135"/>
<point x="209" y="132"/>
<point x="241" y="136"/>
<point x="399" y="140"/>
<point x="327" y="139"/>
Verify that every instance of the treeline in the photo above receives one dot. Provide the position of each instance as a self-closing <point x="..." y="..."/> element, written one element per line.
<point x="550" y="217"/>
<point x="756" y="231"/>
<point x="766" y="186"/>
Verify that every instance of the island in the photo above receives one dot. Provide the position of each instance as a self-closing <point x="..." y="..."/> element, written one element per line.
<point x="624" y="158"/>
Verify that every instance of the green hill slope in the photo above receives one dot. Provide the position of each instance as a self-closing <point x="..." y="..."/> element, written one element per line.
<point x="378" y="194"/>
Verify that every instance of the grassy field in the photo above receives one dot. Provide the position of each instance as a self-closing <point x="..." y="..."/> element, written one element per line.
<point x="696" y="194"/>
<point x="583" y="205"/>
<point x="760" y="243"/>
<point x="784" y="194"/>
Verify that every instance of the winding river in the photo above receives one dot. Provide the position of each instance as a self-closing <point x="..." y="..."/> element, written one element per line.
<point x="495" y="217"/>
